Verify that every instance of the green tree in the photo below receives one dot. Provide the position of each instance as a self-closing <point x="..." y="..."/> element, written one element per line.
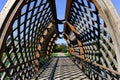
<point x="60" y="48"/>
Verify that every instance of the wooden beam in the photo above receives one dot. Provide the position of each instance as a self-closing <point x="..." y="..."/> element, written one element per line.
<point x="68" y="7"/>
<point x="72" y="27"/>
<point x="45" y="32"/>
<point x="68" y="37"/>
<point x="82" y="52"/>
<point x="50" y="25"/>
<point x="53" y="8"/>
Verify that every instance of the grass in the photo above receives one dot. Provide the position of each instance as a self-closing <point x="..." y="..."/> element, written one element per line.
<point x="54" y="55"/>
<point x="67" y="54"/>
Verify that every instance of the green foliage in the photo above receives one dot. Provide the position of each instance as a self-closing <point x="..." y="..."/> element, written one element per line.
<point x="60" y="48"/>
<point x="67" y="54"/>
<point x="54" y="55"/>
<point x="3" y="56"/>
<point x="54" y="48"/>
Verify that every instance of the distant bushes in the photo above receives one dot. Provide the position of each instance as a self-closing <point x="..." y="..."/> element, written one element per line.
<point x="60" y="48"/>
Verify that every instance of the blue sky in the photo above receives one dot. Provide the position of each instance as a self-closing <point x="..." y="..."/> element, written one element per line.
<point x="2" y="3"/>
<point x="117" y="5"/>
<point x="61" y="6"/>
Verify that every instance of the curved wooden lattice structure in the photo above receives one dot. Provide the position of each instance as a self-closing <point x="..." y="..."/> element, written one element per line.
<point x="28" y="30"/>
<point x="96" y="39"/>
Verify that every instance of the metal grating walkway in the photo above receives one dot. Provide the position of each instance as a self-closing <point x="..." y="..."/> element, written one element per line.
<point x="61" y="68"/>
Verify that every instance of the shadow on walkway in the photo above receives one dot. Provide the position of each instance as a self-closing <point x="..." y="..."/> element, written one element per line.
<point x="62" y="68"/>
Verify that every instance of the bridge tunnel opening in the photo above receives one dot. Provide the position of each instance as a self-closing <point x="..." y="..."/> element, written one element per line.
<point x="29" y="29"/>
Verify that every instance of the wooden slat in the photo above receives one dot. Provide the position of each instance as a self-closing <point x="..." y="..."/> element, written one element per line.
<point x="67" y="36"/>
<point x="109" y="53"/>
<point x="72" y="27"/>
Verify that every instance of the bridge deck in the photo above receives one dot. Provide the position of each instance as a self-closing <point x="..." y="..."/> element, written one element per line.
<point x="62" y="68"/>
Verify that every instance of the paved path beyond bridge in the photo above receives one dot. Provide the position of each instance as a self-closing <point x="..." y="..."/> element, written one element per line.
<point x="60" y="54"/>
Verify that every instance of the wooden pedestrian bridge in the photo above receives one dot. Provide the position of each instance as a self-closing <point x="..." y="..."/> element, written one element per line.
<point x="29" y="29"/>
